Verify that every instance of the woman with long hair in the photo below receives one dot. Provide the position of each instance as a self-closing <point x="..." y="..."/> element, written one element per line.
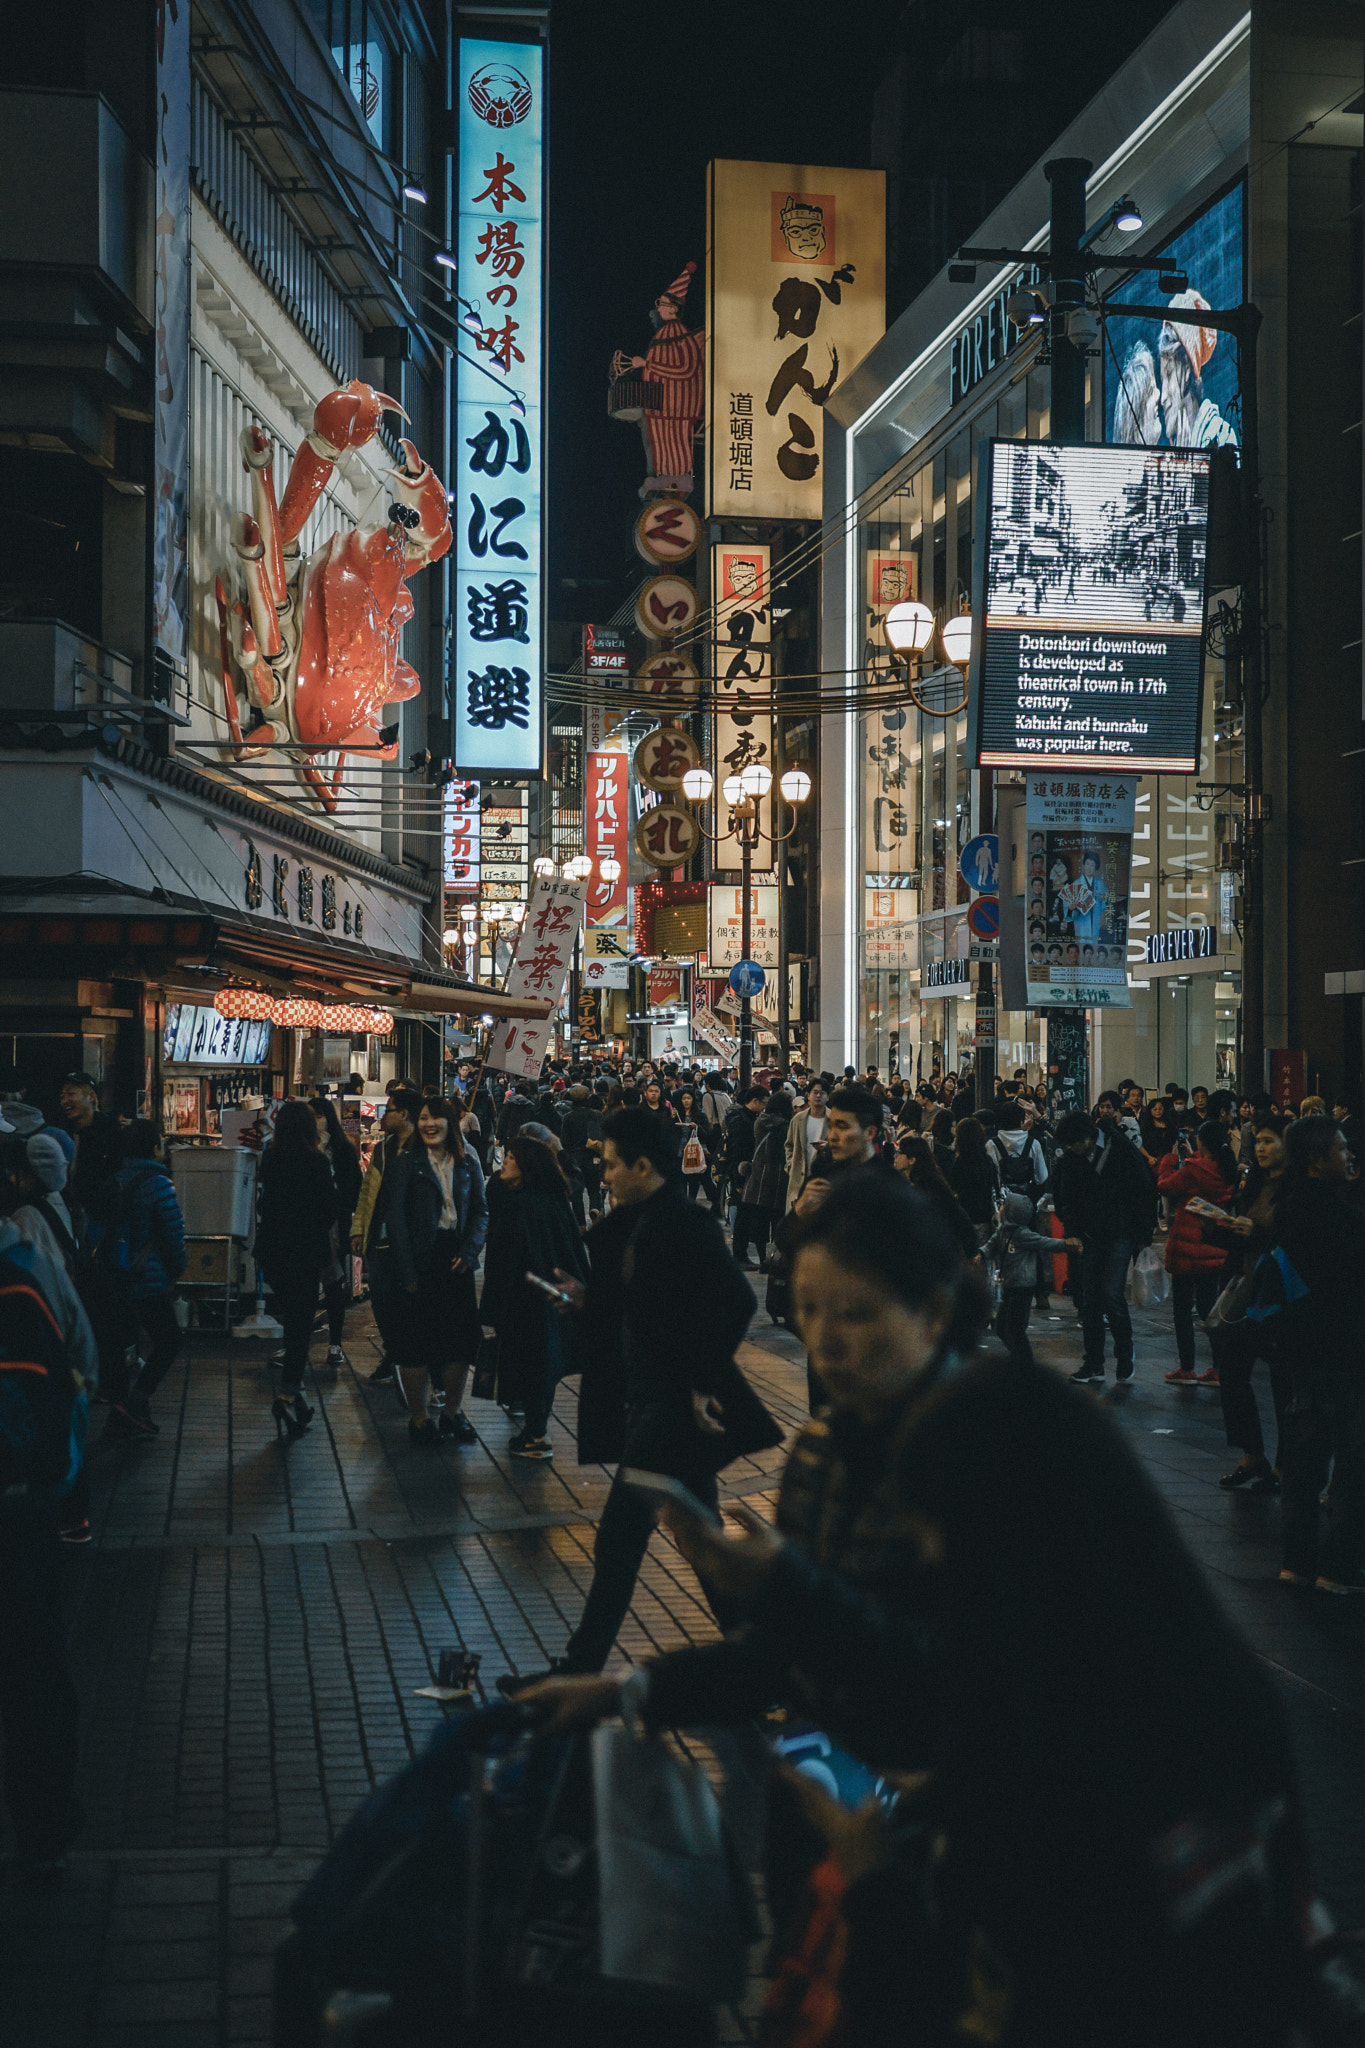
<point x="974" y="1175"/>
<point x="294" y="1246"/>
<point x="438" y="1219"/>
<point x="1210" y="1174"/>
<point x="344" y="1161"/>
<point x="973" y="1587"/>
<point x="531" y="1229"/>
<point x="917" y="1166"/>
<point x="941" y="1138"/>
<point x="1238" y="1342"/>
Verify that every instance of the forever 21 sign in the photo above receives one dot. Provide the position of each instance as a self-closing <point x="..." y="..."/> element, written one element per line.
<point x="987" y="340"/>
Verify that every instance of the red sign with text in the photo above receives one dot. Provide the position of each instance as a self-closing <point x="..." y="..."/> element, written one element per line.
<point x="604" y="828"/>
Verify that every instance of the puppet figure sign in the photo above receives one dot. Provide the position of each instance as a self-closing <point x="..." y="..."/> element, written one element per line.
<point x="316" y="638"/>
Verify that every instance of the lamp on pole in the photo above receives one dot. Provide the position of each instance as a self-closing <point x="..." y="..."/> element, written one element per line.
<point x="742" y="793"/>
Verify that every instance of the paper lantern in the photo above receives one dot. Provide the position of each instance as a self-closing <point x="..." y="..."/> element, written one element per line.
<point x="381" y="1022"/>
<point x="296" y="1013"/>
<point x="244" y="1002"/>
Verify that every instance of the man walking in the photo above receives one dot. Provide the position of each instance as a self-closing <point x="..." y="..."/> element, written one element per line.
<point x="739" y="1153"/>
<point x="1106" y="1197"/>
<point x="662" y="1314"/>
<point x="853" y="1127"/>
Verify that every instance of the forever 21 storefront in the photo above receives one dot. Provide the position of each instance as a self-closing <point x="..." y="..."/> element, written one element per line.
<point x="900" y="799"/>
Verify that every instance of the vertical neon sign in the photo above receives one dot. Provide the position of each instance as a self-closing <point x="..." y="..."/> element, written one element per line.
<point x="496" y="677"/>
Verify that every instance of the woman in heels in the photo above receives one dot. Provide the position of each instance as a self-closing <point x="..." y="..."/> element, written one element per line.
<point x="294" y="1244"/>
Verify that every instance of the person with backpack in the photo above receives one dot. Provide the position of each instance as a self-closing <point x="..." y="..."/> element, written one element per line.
<point x="298" y="1207"/>
<point x="49" y="1369"/>
<point x="1308" y="1304"/>
<point x="765" y="1184"/>
<point x="1194" y="1262"/>
<point x="1018" y="1155"/>
<point x="138" y="1249"/>
<point x="1019" y="1250"/>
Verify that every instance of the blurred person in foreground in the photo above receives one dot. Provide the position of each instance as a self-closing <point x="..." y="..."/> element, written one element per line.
<point x="973" y="1587"/>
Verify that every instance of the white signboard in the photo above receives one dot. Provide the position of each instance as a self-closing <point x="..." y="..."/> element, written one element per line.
<point x="725" y="907"/>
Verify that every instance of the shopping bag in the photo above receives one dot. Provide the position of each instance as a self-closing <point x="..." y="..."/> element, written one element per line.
<point x="675" y="1910"/>
<point x="1149" y="1279"/>
<point x="484" y="1385"/>
<point x="1232" y="1304"/>
<point x="693" y="1156"/>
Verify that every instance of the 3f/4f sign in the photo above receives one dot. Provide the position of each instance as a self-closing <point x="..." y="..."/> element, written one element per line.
<point x="1088" y="651"/>
<point x="497" y="665"/>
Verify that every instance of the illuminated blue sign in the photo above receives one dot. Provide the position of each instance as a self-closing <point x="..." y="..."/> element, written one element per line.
<point x="497" y="636"/>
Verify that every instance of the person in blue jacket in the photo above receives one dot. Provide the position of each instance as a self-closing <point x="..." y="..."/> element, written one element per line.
<point x="141" y="1246"/>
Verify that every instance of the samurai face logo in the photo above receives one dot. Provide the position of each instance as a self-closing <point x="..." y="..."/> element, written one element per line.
<point x="803" y="228"/>
<point x="500" y="95"/>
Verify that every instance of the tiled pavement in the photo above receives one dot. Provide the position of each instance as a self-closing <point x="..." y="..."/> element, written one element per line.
<point x="250" y="1625"/>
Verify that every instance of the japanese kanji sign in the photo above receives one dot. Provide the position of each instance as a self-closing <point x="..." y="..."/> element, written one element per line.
<point x="664" y="756"/>
<point x="666" y="607"/>
<point x="725" y="948"/>
<point x="461" y="837"/>
<point x="496" y="659"/>
<point x="670" y="676"/>
<point x="796" y="296"/>
<point x="741" y="663"/>
<point x="604" y="833"/>
<point x="667" y="836"/>
<point x="667" y="531"/>
<point x="606" y="957"/>
<point x="539" y="970"/>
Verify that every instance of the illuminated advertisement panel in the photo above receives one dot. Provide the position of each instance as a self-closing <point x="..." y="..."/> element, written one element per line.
<point x="1173" y="383"/>
<point x="496" y="676"/>
<point x="1089" y="607"/>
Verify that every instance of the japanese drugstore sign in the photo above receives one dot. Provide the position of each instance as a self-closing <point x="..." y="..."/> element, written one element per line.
<point x="495" y="684"/>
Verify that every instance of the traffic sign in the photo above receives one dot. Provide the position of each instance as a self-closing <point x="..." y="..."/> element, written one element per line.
<point x="979" y="862"/>
<point x="983" y="917"/>
<point x="747" y="979"/>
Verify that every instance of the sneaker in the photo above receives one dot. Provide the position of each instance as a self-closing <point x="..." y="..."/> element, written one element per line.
<point x="77" y="1532"/>
<point x="1349" y="1582"/>
<point x="513" y="1682"/>
<point x="336" y="1357"/>
<point x="1181" y="1377"/>
<point x="1293" y="1578"/>
<point x="1243" y="1475"/>
<point x="1088" y="1376"/>
<point x="535" y="1447"/>
<point x="131" y="1418"/>
<point x="384" y="1373"/>
<point x="457" y="1425"/>
<point x="1124" y="1373"/>
<point x="1207" y="1379"/>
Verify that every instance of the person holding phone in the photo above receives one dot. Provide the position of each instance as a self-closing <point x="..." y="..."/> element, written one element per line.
<point x="656" y="1330"/>
<point x="531" y="1231"/>
<point x="971" y="1580"/>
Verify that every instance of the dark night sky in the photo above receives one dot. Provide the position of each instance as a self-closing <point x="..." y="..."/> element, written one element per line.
<point x="641" y="98"/>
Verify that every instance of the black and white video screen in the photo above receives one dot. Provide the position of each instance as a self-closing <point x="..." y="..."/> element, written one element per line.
<point x="1091" y="579"/>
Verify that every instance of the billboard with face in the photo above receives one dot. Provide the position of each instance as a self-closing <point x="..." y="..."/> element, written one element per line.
<point x="1173" y="383"/>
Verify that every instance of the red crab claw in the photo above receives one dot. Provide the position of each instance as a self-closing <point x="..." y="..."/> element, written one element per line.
<point x="343" y="419"/>
<point x="419" y="490"/>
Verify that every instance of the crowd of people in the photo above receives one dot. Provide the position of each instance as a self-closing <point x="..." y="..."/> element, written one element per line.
<point x="968" y="1567"/>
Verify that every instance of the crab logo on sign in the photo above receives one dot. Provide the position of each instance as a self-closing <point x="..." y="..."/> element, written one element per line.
<point x="500" y="95"/>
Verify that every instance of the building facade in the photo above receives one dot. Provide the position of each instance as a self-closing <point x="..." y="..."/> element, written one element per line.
<point x="1238" y="132"/>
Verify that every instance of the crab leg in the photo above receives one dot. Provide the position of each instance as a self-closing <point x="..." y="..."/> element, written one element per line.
<point x="317" y="782"/>
<point x="225" y="657"/>
<point x="258" y="460"/>
<point x="250" y="548"/>
<point x="343" y="419"/>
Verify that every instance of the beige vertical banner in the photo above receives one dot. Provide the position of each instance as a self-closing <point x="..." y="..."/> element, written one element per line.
<point x="796" y="296"/>
<point x="741" y="668"/>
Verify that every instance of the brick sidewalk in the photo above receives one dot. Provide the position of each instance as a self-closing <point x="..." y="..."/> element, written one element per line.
<point x="251" y="1623"/>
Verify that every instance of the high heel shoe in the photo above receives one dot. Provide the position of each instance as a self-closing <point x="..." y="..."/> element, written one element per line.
<point x="291" y="1417"/>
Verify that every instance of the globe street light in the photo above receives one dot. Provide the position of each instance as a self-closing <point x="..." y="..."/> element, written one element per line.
<point x="957" y="639"/>
<point x="909" y="632"/>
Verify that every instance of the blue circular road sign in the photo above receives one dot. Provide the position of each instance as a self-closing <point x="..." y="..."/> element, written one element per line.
<point x="983" y="917"/>
<point x="979" y="863"/>
<point x="747" y="979"/>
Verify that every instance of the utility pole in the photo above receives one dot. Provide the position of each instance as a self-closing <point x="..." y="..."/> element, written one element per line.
<point x="746" y="939"/>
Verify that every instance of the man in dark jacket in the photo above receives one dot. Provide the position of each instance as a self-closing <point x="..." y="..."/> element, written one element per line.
<point x="581" y="1136"/>
<point x="1106" y="1197"/>
<point x="739" y="1151"/>
<point x="662" y="1315"/>
<point x="369" y="1225"/>
<point x="96" y="1137"/>
<point x="1320" y="1247"/>
<point x="852" y="1133"/>
<point x="155" y="1238"/>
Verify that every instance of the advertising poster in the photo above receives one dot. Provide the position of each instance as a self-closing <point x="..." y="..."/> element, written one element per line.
<point x="1173" y="383"/>
<point x="796" y="296"/>
<point x="504" y="848"/>
<point x="1077" y="881"/>
<point x="605" y="825"/>
<point x="1090" y="583"/>
<point x="606" y="957"/>
<point x="495" y="491"/>
<point x="725" y="906"/>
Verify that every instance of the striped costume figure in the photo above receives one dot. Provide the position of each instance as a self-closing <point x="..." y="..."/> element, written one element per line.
<point x="673" y="360"/>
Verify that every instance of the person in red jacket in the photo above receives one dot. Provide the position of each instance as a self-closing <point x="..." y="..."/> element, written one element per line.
<point x="1210" y="1172"/>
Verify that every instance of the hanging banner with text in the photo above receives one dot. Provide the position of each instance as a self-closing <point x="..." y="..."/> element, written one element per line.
<point x="1089" y="608"/>
<point x="1076" y="890"/>
<point x="605" y="825"/>
<point x="539" y="970"/>
<point x="495" y="510"/>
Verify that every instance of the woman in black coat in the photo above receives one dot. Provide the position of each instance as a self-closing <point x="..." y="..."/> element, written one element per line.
<point x="344" y="1161"/>
<point x="294" y="1244"/>
<point x="531" y="1229"/>
<point x="438" y="1220"/>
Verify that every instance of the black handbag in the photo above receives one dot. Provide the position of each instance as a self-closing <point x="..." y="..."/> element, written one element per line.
<point x="484" y="1380"/>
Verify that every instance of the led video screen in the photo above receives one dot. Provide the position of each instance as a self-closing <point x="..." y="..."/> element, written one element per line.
<point x="1089" y="649"/>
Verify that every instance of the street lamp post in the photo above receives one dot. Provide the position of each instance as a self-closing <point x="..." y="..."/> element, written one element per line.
<point x="742" y="791"/>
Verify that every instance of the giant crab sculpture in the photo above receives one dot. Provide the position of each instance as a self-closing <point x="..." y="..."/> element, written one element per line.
<point x="316" y="638"/>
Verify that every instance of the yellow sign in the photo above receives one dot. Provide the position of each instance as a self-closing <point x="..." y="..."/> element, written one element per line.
<point x="796" y="296"/>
